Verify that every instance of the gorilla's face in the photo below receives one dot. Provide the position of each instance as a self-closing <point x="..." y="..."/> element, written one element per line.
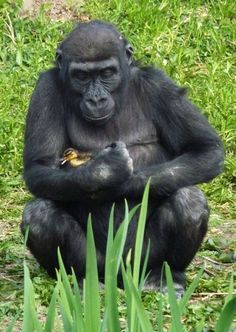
<point x="95" y="62"/>
<point x="96" y="82"/>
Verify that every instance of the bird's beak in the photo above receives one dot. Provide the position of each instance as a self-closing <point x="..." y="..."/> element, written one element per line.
<point x="63" y="161"/>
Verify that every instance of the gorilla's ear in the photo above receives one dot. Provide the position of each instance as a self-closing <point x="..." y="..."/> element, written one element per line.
<point x="58" y="57"/>
<point x="129" y="52"/>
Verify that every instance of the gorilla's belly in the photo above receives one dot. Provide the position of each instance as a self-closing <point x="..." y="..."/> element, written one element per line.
<point x="147" y="155"/>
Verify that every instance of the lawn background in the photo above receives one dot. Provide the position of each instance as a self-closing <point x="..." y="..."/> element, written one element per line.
<point x="193" y="42"/>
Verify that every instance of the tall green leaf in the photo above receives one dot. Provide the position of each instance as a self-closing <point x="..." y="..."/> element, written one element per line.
<point x="138" y="249"/>
<point x="231" y="290"/>
<point x="121" y="234"/>
<point x="51" y="312"/>
<point x="78" y="310"/>
<point x="200" y="326"/>
<point x="30" y="320"/>
<point x="160" y="314"/>
<point x="128" y="295"/>
<point x="140" y="235"/>
<point x="10" y="327"/>
<point x="111" y="310"/>
<point x="67" y="315"/>
<point x="142" y="318"/>
<point x="66" y="283"/>
<point x="144" y="276"/>
<point x="226" y="316"/>
<point x="92" y="298"/>
<point x="176" y="324"/>
<point x="189" y="291"/>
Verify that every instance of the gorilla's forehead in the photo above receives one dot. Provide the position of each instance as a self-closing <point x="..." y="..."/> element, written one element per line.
<point x="94" y="65"/>
<point x="93" y="41"/>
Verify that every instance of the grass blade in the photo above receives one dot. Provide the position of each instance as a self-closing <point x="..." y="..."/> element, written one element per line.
<point x="114" y="254"/>
<point x="140" y="235"/>
<point x="111" y="317"/>
<point x="104" y="322"/>
<point x="78" y="305"/>
<point x="30" y="320"/>
<point x="226" y="317"/>
<point x="51" y="312"/>
<point x="64" y="305"/>
<point x="231" y="290"/>
<point x="66" y="283"/>
<point x="11" y="325"/>
<point x="160" y="312"/>
<point x="92" y="299"/>
<point x="160" y="320"/>
<point x="200" y="326"/>
<point x="138" y="249"/>
<point x="189" y="291"/>
<point x="176" y="324"/>
<point x="110" y="233"/>
<point x="144" y="269"/>
<point x="121" y="234"/>
<point x="127" y="290"/>
<point x="136" y="301"/>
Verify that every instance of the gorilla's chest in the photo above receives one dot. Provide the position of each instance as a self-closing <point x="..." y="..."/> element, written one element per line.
<point x="138" y="132"/>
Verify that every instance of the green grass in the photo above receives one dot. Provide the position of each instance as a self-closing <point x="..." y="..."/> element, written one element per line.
<point x="194" y="42"/>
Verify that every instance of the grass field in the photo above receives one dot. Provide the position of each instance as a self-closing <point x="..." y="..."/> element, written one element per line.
<point x="195" y="43"/>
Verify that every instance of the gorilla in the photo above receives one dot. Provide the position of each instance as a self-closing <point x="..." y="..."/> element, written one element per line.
<point x="136" y="124"/>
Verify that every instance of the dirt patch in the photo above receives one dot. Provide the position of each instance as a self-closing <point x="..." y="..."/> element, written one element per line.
<point x="227" y="230"/>
<point x="5" y="230"/>
<point x="57" y="10"/>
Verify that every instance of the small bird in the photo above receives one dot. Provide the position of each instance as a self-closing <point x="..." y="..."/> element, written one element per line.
<point x="75" y="158"/>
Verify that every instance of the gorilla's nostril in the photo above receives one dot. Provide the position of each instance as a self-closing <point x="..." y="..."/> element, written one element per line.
<point x="112" y="145"/>
<point x="91" y="102"/>
<point x="96" y="101"/>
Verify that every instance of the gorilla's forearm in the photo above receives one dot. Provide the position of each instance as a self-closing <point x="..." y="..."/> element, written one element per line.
<point x="186" y="170"/>
<point x="59" y="185"/>
<point x="101" y="173"/>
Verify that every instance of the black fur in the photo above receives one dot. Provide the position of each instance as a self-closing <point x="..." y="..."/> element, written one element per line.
<point x="159" y="134"/>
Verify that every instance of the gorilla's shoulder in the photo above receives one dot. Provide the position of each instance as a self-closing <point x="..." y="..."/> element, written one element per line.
<point x="49" y="80"/>
<point x="50" y="76"/>
<point x="154" y="81"/>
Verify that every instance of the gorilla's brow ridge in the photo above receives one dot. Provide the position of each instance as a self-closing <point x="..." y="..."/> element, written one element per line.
<point x="89" y="65"/>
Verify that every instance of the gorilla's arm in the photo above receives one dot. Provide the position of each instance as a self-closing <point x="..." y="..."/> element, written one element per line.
<point x="45" y="141"/>
<point x="197" y="150"/>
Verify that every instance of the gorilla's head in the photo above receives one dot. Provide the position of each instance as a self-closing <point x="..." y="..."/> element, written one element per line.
<point x="95" y="64"/>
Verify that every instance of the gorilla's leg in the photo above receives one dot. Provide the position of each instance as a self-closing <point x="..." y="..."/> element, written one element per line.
<point x="51" y="227"/>
<point x="176" y="230"/>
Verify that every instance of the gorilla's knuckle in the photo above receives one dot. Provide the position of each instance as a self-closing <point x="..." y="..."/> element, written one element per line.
<point x="116" y="145"/>
<point x="130" y="165"/>
<point x="103" y="171"/>
<point x="120" y="145"/>
<point x="125" y="153"/>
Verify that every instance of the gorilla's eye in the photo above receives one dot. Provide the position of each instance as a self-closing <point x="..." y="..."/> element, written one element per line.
<point x="107" y="72"/>
<point x="81" y="75"/>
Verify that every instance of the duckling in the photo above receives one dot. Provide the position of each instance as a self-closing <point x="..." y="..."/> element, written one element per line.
<point x="75" y="158"/>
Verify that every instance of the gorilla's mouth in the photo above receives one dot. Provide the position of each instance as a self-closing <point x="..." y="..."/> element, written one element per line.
<point x="98" y="120"/>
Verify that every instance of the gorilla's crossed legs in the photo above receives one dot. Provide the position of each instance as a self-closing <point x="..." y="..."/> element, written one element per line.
<point x="175" y="229"/>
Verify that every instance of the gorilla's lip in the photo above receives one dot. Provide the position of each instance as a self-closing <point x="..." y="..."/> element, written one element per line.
<point x="99" y="120"/>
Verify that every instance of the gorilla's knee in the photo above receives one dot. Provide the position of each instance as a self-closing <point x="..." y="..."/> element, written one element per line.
<point x="35" y="217"/>
<point x="191" y="207"/>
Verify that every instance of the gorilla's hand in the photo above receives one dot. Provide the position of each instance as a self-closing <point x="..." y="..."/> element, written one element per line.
<point x="112" y="166"/>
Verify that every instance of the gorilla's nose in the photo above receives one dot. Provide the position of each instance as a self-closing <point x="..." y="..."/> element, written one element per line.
<point x="96" y="102"/>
